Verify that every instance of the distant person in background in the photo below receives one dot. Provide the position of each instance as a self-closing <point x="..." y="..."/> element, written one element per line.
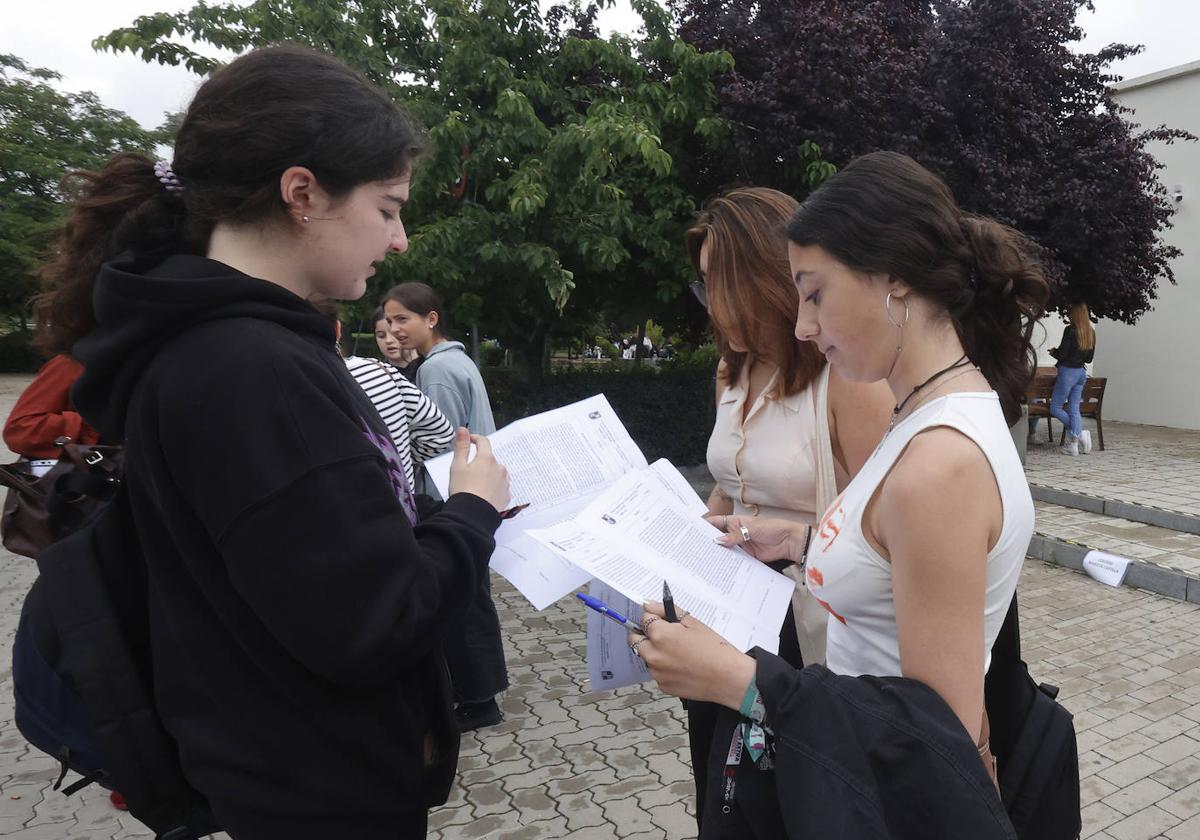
<point x="473" y="647"/>
<point x="1077" y="348"/>
<point x="415" y="315"/>
<point x="418" y="429"/>
<point x="406" y="360"/>
<point x="44" y="412"/>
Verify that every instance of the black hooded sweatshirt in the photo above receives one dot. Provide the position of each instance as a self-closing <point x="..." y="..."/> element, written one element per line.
<point x="295" y="613"/>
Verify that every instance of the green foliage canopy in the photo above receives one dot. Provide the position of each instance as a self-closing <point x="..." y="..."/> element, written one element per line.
<point x="45" y="133"/>
<point x="555" y="186"/>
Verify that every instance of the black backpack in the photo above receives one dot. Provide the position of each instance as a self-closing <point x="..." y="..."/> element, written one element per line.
<point x="1033" y="739"/>
<point x="82" y="677"/>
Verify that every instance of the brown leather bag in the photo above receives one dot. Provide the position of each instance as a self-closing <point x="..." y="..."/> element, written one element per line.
<point x="40" y="511"/>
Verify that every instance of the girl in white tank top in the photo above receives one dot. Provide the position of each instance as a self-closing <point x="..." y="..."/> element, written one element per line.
<point x="854" y="582"/>
<point x="918" y="559"/>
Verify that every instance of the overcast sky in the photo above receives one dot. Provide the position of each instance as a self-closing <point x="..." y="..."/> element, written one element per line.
<point x="59" y="34"/>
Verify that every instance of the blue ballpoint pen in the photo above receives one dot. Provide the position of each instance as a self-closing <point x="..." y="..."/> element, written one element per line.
<point x="608" y="612"/>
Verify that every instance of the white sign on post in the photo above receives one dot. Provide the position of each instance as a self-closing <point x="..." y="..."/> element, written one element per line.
<point x="1105" y="567"/>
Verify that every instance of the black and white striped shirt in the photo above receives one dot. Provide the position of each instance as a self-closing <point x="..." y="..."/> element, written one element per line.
<point x="418" y="428"/>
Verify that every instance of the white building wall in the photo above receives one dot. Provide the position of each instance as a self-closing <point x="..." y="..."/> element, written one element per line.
<point x="1153" y="367"/>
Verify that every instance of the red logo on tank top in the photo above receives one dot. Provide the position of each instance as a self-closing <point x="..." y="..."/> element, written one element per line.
<point x="829" y="609"/>
<point x="831" y="524"/>
<point x="828" y="530"/>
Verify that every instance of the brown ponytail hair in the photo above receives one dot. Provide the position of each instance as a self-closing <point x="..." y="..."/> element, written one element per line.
<point x="266" y="111"/>
<point x="886" y="214"/>
<point x="749" y="290"/>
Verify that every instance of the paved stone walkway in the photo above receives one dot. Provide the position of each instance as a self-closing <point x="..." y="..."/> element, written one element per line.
<point x="1152" y="466"/>
<point x="569" y="763"/>
<point x="1136" y="540"/>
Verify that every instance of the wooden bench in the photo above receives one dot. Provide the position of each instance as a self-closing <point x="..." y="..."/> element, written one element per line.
<point x="1040" y="390"/>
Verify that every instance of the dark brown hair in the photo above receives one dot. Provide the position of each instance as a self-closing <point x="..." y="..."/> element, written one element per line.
<point x="269" y="110"/>
<point x="421" y="299"/>
<point x="748" y="286"/>
<point x="886" y="214"/>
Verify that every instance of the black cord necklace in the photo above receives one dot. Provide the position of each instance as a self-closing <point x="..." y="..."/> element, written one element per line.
<point x="963" y="361"/>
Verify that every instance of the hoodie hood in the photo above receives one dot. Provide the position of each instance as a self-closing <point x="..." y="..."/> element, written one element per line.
<point x="140" y="306"/>
<point x="445" y="346"/>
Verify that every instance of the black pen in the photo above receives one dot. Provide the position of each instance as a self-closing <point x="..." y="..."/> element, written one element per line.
<point x="669" y="605"/>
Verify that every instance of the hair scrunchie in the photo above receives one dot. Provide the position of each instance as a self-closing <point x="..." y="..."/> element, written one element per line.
<point x="167" y="177"/>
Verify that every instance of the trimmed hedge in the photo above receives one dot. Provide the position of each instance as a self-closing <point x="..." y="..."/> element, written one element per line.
<point x="669" y="412"/>
<point x="17" y="354"/>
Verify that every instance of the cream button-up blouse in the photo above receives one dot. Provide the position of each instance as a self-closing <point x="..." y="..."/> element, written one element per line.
<point x="778" y="462"/>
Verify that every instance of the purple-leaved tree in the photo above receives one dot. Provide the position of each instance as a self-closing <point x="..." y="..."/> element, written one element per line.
<point x="987" y="93"/>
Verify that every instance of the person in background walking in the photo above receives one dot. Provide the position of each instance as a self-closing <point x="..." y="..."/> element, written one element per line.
<point x="474" y="649"/>
<point x="1076" y="350"/>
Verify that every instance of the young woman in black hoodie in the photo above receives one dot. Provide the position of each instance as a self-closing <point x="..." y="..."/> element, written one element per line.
<point x="297" y="601"/>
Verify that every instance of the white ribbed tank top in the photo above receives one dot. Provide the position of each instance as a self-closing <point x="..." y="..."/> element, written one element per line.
<point x="855" y="583"/>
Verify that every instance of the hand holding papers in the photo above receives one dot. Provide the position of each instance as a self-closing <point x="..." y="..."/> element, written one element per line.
<point x="595" y="509"/>
<point x="557" y="462"/>
<point x="636" y="534"/>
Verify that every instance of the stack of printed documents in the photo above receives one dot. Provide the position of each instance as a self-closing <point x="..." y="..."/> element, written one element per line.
<point x="598" y="511"/>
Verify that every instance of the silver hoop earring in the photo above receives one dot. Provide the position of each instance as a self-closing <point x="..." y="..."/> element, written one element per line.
<point x="887" y="308"/>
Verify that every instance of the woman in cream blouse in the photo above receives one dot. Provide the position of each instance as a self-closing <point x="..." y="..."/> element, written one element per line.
<point x="788" y="436"/>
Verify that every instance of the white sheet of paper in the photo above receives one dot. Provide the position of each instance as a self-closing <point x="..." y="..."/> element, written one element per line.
<point x="543" y="575"/>
<point x="557" y="455"/>
<point x="636" y="534"/>
<point x="540" y="574"/>
<point x="1105" y="567"/>
<point x="557" y="461"/>
<point x="611" y="664"/>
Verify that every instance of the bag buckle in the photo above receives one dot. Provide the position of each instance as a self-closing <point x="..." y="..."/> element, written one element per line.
<point x="93" y="458"/>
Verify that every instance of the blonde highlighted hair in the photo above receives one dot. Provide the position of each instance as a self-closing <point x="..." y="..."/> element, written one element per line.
<point x="1081" y="320"/>
<point x="751" y="297"/>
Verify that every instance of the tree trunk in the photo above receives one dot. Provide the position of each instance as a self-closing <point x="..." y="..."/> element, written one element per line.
<point x="533" y="356"/>
<point x="639" y="346"/>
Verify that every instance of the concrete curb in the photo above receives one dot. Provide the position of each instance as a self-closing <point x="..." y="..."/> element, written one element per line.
<point x="1157" y="579"/>
<point x="1170" y="519"/>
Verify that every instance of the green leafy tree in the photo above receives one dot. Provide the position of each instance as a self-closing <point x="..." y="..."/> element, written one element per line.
<point x="556" y="183"/>
<point x="45" y="133"/>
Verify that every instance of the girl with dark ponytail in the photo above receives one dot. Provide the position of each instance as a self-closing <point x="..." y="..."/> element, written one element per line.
<point x="917" y="560"/>
<point x="296" y="599"/>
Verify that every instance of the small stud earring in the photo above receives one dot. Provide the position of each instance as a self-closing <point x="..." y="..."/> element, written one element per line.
<point x="304" y="219"/>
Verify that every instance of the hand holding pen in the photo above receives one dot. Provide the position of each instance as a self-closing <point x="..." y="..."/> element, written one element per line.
<point x="668" y="603"/>
<point x="689" y="660"/>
